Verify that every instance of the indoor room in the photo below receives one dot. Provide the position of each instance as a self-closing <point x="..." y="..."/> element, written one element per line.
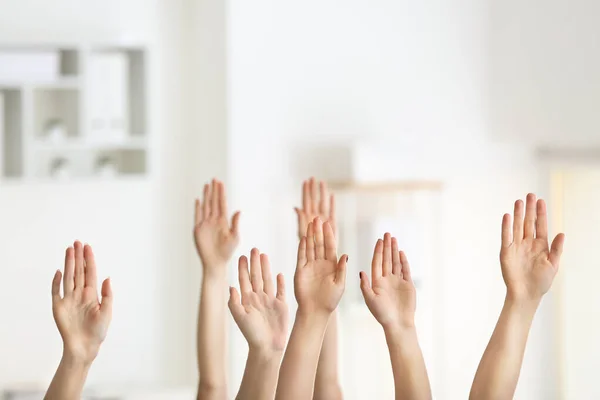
<point x="425" y="119"/>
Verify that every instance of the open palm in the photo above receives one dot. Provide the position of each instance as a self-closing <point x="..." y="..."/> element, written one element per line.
<point x="81" y="319"/>
<point x="260" y="313"/>
<point x="215" y="239"/>
<point x="529" y="264"/>
<point x="319" y="281"/>
<point x="392" y="296"/>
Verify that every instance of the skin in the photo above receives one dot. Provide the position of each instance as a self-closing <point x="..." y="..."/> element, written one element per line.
<point x="319" y="203"/>
<point x="319" y="284"/>
<point x="392" y="299"/>
<point x="529" y="266"/>
<point x="216" y="240"/>
<point x="81" y="318"/>
<point x="261" y="313"/>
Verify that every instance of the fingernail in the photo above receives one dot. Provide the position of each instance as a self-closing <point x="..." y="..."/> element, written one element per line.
<point x="360" y="275"/>
<point x="346" y="258"/>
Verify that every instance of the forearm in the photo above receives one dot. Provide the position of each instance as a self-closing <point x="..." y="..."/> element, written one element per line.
<point x="408" y="365"/>
<point x="500" y="366"/>
<point x="69" y="380"/>
<point x="260" y="376"/>
<point x="327" y="385"/>
<point x="299" y="366"/>
<point x="211" y="339"/>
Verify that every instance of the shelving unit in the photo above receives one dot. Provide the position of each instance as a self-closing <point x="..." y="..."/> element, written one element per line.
<point x="73" y="111"/>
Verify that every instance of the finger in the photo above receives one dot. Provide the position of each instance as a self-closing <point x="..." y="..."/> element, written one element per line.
<point x="306" y="203"/>
<point x="256" y="277"/>
<point x="376" y="264"/>
<point x="301" y="221"/>
<point x="365" y="286"/>
<point x="330" y="244"/>
<point x="69" y="275"/>
<point x="206" y="202"/>
<point x="314" y="206"/>
<point x="506" y="230"/>
<point x="244" y="276"/>
<point x="107" y="297"/>
<point x="79" y="266"/>
<point x="91" y="279"/>
<point x="530" y="216"/>
<point x="319" y="239"/>
<point x="518" y="222"/>
<point x="332" y="207"/>
<point x="235" y="221"/>
<point x="340" y="273"/>
<point x="222" y="200"/>
<point x="56" y="286"/>
<point x="280" y="287"/>
<point x="235" y="302"/>
<point x="302" y="252"/>
<point x="405" y="267"/>
<point x="396" y="265"/>
<point x="323" y="199"/>
<point x="269" y="286"/>
<point x="198" y="216"/>
<point x="541" y="223"/>
<point x="214" y="198"/>
<point x="387" y="255"/>
<point x="310" y="243"/>
<point x="556" y="249"/>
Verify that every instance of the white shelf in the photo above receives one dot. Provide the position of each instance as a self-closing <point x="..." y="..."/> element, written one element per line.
<point x="72" y="145"/>
<point x="69" y="104"/>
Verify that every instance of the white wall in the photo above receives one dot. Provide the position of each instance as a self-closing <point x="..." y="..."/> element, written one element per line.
<point x="544" y="60"/>
<point x="412" y="78"/>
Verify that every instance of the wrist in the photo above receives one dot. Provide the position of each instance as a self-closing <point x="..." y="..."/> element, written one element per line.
<point x="73" y="361"/>
<point x="312" y="314"/>
<point x="399" y="331"/>
<point x="264" y="355"/>
<point x="521" y="303"/>
<point x="214" y="271"/>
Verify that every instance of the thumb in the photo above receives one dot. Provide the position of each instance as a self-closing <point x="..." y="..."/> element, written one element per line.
<point x="235" y="220"/>
<point x="556" y="249"/>
<point x="107" y="296"/>
<point x="365" y="286"/>
<point x="234" y="303"/>
<point x="340" y="274"/>
<point x="56" y="286"/>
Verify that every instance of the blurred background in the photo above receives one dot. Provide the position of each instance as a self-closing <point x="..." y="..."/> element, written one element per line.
<point x="428" y="118"/>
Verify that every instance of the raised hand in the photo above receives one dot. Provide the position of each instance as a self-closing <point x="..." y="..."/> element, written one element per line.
<point x="215" y="239"/>
<point x="81" y="318"/>
<point x="320" y="277"/>
<point x="529" y="265"/>
<point x="392" y="297"/>
<point x="314" y="205"/>
<point x="261" y="313"/>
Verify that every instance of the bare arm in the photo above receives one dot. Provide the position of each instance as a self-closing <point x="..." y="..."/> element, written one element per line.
<point x="319" y="285"/>
<point x="261" y="313"/>
<point x="327" y="385"/>
<point x="500" y="366"/>
<point x="392" y="301"/>
<point x="81" y="320"/>
<point x="410" y="375"/>
<point x="529" y="266"/>
<point x="215" y="241"/>
<point x="211" y="340"/>
<point x="69" y="380"/>
<point x="297" y="373"/>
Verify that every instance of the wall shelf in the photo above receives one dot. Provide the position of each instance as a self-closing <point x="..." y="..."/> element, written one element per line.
<point x="73" y="111"/>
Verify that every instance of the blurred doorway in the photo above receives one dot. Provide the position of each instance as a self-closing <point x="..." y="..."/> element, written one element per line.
<point x="576" y="202"/>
